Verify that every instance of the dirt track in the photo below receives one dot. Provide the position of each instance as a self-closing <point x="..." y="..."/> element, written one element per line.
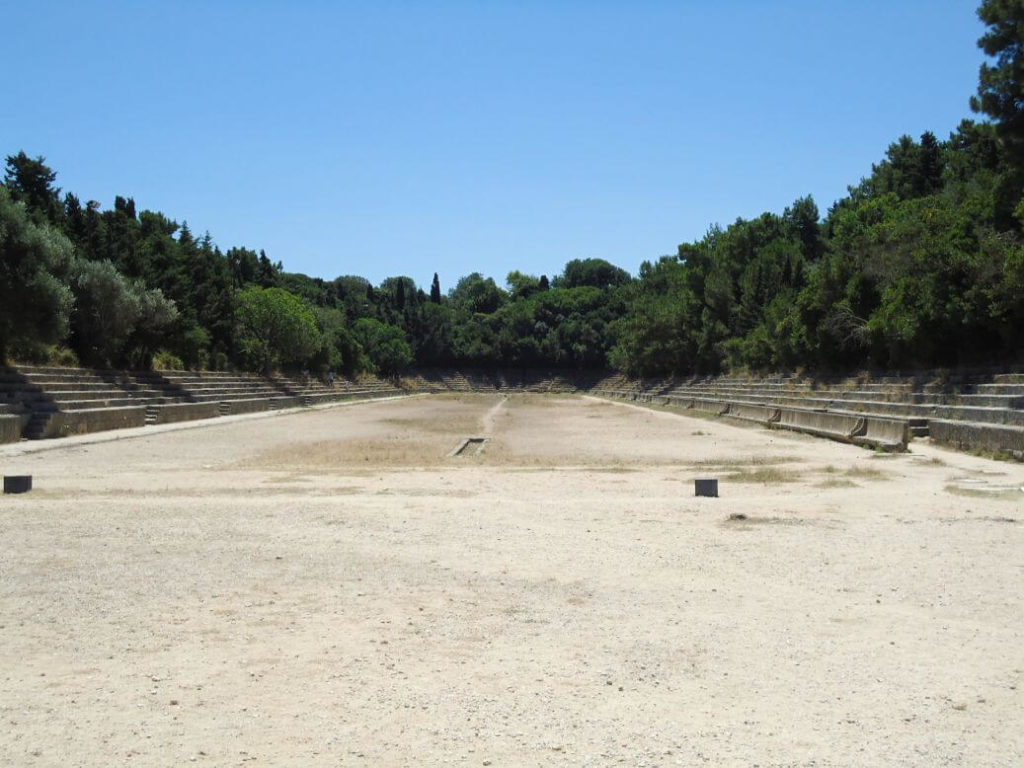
<point x="330" y="588"/>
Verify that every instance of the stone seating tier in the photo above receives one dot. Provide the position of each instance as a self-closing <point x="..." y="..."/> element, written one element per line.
<point x="869" y="430"/>
<point x="80" y="422"/>
<point x="439" y="380"/>
<point x="1007" y="412"/>
<point x="54" y="402"/>
<point x="983" y="412"/>
<point x="1000" y="389"/>
<point x="974" y="436"/>
<point x="1001" y="400"/>
<point x="860" y="400"/>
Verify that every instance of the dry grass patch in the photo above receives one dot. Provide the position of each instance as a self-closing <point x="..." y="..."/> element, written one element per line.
<point x="865" y="473"/>
<point x="763" y="475"/>
<point x="446" y="424"/>
<point x="839" y="478"/>
<point x="836" y="482"/>
<point x="743" y="461"/>
<point x="602" y="469"/>
<point x="392" y="451"/>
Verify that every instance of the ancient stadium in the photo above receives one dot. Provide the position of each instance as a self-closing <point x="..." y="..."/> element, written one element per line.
<point x="505" y="571"/>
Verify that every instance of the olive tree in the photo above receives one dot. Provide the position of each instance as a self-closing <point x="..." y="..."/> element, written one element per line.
<point x="35" y="301"/>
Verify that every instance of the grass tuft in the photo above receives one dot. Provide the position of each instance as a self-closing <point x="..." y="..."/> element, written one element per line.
<point x="837" y="482"/>
<point x="865" y="472"/>
<point x="764" y="475"/>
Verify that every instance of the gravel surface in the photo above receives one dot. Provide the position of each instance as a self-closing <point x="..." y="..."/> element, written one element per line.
<point x="331" y="588"/>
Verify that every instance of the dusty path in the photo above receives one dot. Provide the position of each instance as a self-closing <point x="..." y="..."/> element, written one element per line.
<point x="491" y="416"/>
<point x="330" y="589"/>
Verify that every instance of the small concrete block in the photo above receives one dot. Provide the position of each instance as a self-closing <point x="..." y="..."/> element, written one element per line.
<point x="706" y="487"/>
<point x="17" y="483"/>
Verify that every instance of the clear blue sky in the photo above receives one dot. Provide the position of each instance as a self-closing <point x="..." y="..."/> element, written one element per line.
<point x="401" y="138"/>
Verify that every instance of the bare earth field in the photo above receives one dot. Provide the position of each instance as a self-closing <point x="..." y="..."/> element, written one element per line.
<point x="331" y="588"/>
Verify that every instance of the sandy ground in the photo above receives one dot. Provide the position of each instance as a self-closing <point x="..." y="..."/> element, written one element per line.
<point x="330" y="588"/>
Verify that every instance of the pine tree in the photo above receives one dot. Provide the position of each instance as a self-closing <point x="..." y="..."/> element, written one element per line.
<point x="1000" y="85"/>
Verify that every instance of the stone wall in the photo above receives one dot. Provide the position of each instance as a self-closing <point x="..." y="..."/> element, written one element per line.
<point x="11" y="426"/>
<point x="65" y="423"/>
<point x="172" y="412"/>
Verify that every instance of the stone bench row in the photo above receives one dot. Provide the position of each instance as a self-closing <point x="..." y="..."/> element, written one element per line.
<point x="977" y="436"/>
<point x="67" y="423"/>
<point x="1012" y="387"/>
<point x="864" y="429"/>
<point x="71" y="386"/>
<point x="974" y="411"/>
<point x="141" y="385"/>
<point x="539" y="387"/>
<point x="882" y="408"/>
<point x="861" y="429"/>
<point x="1006" y="399"/>
<point x="964" y="428"/>
<point x="50" y="402"/>
<point x="203" y="410"/>
<point x="87" y="420"/>
<point x="71" y="401"/>
<point x="502" y="380"/>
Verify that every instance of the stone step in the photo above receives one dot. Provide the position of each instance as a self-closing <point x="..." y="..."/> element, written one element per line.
<point x="1008" y="378"/>
<point x="980" y="415"/>
<point x="1001" y="389"/>
<point x="98" y="394"/>
<point x="220" y="396"/>
<point x="974" y="436"/>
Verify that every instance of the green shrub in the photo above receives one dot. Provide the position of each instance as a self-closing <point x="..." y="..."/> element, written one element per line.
<point x="63" y="357"/>
<point x="165" y="361"/>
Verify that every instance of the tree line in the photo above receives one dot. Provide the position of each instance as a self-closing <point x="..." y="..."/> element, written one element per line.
<point x="921" y="264"/>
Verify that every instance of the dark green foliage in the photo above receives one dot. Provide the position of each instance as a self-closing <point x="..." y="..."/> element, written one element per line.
<point x="35" y="260"/>
<point x="910" y="169"/>
<point x="30" y="181"/>
<point x="521" y="286"/>
<point x="116" y="320"/>
<point x="339" y="349"/>
<point x="432" y="335"/>
<point x="477" y="294"/>
<point x="655" y="334"/>
<point x="275" y="327"/>
<point x="1001" y="83"/>
<point x="921" y="264"/>
<point x="385" y="346"/>
<point x="593" y="272"/>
